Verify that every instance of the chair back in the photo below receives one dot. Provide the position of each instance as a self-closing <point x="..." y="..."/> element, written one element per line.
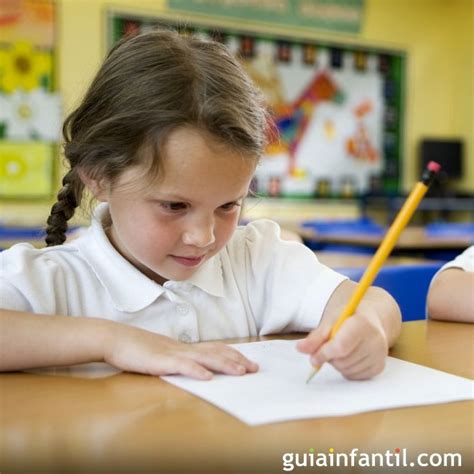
<point x="408" y="284"/>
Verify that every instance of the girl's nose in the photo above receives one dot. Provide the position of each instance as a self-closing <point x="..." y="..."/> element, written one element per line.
<point x="200" y="235"/>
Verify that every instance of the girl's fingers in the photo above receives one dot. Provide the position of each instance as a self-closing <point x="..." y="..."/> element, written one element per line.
<point x="234" y="357"/>
<point x="222" y="364"/>
<point x="344" y="364"/>
<point x="313" y="341"/>
<point x="184" y="366"/>
<point x="348" y="369"/>
<point x="367" y="372"/>
<point x="343" y="345"/>
<point x="239" y="358"/>
<point x="226" y="363"/>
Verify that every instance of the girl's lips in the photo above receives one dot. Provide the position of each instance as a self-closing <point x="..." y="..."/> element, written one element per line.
<point x="186" y="261"/>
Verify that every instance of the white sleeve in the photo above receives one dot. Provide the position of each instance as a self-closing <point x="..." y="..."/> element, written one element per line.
<point x="11" y="264"/>
<point x="28" y="280"/>
<point x="464" y="261"/>
<point x="288" y="287"/>
<point x="11" y="298"/>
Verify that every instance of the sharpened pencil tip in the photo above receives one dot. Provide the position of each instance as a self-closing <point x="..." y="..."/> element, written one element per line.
<point x="313" y="373"/>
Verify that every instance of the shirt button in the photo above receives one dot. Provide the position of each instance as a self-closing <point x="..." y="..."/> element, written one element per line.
<point x="183" y="309"/>
<point x="184" y="337"/>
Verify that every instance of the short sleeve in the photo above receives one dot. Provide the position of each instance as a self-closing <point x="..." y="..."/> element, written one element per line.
<point x="11" y="297"/>
<point x="11" y="265"/>
<point x="29" y="280"/>
<point x="465" y="261"/>
<point x="288" y="287"/>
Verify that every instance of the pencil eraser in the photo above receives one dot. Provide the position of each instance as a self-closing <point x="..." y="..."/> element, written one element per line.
<point x="433" y="166"/>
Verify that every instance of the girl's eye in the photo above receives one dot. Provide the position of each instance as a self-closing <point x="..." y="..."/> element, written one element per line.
<point x="230" y="205"/>
<point x="173" y="206"/>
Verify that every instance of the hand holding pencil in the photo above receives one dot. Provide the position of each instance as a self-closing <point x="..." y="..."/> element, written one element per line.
<point x="353" y="353"/>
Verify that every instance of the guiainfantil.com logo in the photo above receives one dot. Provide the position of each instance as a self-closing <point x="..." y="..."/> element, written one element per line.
<point x="355" y="458"/>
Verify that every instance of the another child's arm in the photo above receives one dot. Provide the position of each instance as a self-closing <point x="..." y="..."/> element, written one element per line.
<point x="451" y="296"/>
<point x="29" y="340"/>
<point x="361" y="345"/>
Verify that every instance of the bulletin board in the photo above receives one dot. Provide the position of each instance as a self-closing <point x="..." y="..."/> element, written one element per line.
<point x="338" y="108"/>
<point x="30" y="114"/>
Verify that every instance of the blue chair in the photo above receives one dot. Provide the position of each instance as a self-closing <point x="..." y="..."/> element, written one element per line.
<point x="14" y="234"/>
<point x="408" y="284"/>
<point x="21" y="233"/>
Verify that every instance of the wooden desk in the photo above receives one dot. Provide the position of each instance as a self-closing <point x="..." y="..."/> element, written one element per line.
<point x="412" y="238"/>
<point x="68" y="421"/>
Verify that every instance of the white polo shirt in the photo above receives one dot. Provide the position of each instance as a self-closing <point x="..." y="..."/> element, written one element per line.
<point x="257" y="284"/>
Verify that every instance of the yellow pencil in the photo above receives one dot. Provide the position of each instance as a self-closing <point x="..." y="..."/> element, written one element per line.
<point x="384" y="249"/>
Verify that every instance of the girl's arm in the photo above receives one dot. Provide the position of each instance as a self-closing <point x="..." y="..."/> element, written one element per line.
<point x="28" y="340"/>
<point x="451" y="296"/>
<point x="360" y="347"/>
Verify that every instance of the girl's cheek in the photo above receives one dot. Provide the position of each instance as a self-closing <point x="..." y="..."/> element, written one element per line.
<point x="229" y="229"/>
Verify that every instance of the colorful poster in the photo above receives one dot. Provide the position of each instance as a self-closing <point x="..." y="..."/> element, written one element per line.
<point x="330" y="119"/>
<point x="30" y="112"/>
<point x="25" y="169"/>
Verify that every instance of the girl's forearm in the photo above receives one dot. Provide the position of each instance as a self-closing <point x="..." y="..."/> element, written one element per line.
<point x="451" y="296"/>
<point x="29" y="340"/>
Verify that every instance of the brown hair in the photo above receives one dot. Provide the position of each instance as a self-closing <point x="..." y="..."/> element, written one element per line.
<point x="148" y="86"/>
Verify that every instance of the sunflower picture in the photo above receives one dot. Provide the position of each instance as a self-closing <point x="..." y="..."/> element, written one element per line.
<point x="30" y="112"/>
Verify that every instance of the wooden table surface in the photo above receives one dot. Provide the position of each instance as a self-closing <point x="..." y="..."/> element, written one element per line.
<point x="94" y="419"/>
<point x="412" y="238"/>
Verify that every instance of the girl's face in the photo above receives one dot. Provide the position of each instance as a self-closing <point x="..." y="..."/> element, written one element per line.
<point x="169" y="229"/>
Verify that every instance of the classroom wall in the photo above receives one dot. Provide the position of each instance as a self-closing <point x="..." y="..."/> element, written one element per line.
<point x="436" y="34"/>
<point x="438" y="37"/>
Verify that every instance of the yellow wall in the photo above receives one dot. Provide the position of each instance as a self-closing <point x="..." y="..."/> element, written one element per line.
<point x="436" y="34"/>
<point x="438" y="37"/>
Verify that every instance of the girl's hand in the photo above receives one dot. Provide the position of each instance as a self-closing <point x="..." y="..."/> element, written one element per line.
<point x="359" y="348"/>
<point x="137" y="350"/>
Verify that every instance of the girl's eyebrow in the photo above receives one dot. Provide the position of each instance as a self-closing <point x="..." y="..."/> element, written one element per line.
<point x="178" y="198"/>
<point x="171" y="197"/>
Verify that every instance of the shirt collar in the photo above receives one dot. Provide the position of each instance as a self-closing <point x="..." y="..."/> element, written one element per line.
<point x="209" y="277"/>
<point x="129" y="289"/>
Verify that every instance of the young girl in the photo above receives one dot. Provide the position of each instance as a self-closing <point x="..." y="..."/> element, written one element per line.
<point x="167" y="138"/>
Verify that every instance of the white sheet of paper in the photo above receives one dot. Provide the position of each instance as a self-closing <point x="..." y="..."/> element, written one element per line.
<point x="278" y="392"/>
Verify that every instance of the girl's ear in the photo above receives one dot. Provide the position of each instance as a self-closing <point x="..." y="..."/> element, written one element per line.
<point x="97" y="187"/>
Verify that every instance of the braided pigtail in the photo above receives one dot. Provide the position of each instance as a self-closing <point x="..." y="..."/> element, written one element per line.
<point x="69" y="196"/>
